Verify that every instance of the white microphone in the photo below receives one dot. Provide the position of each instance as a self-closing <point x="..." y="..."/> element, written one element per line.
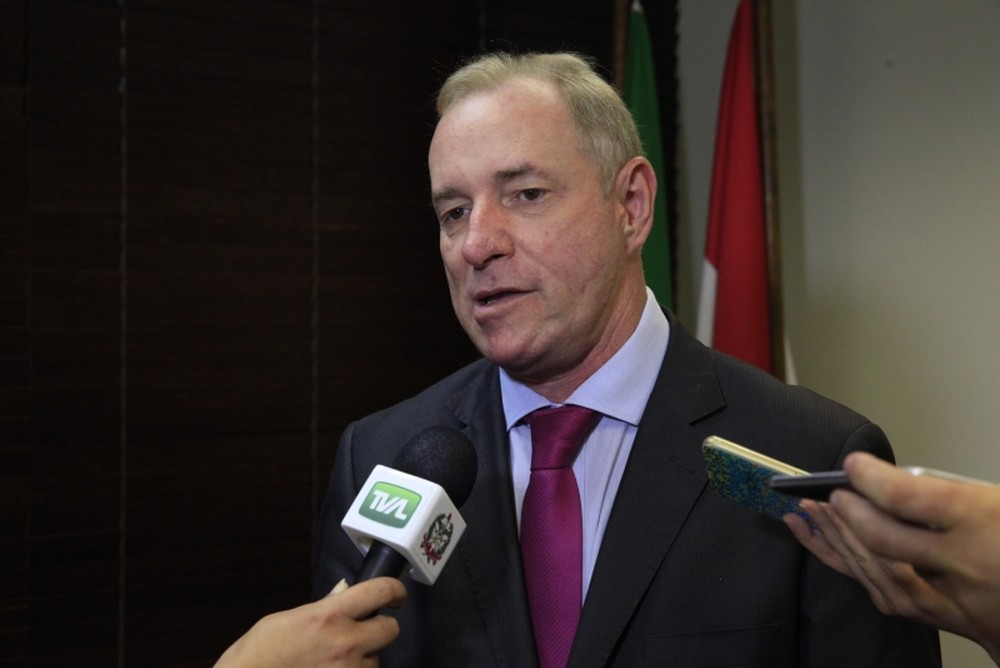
<point x="408" y="514"/>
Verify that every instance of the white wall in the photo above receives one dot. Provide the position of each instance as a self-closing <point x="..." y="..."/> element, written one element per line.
<point x="889" y="155"/>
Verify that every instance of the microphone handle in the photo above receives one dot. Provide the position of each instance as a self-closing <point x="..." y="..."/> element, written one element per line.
<point x="381" y="560"/>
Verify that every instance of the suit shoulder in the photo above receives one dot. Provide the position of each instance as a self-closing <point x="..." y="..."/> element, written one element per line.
<point x="432" y="406"/>
<point x="790" y="422"/>
<point x="473" y="376"/>
<point x="743" y="383"/>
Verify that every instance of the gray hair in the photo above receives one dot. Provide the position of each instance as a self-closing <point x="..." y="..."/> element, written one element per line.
<point x="604" y="125"/>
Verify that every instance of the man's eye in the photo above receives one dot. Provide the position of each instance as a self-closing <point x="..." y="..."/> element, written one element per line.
<point x="454" y="214"/>
<point x="531" y="194"/>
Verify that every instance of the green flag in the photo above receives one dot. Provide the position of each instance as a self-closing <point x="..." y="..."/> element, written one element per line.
<point x="640" y="95"/>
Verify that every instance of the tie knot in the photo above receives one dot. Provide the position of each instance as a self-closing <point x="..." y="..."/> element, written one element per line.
<point x="557" y="432"/>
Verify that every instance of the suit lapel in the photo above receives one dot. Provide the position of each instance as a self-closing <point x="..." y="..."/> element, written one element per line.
<point x="490" y="550"/>
<point x="663" y="479"/>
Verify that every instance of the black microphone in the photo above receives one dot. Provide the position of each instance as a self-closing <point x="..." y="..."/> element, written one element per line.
<point x="408" y="514"/>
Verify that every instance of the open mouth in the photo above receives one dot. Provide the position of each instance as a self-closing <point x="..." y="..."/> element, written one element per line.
<point x="494" y="297"/>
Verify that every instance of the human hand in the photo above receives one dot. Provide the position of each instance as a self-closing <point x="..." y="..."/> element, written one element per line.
<point x="334" y="632"/>
<point x="923" y="547"/>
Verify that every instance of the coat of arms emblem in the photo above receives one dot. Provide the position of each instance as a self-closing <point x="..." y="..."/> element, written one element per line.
<point x="437" y="538"/>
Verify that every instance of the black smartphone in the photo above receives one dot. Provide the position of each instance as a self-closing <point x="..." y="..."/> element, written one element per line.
<point x="820" y="485"/>
<point x="817" y="486"/>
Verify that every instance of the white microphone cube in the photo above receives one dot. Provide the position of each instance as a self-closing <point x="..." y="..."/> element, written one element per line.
<point x="412" y="515"/>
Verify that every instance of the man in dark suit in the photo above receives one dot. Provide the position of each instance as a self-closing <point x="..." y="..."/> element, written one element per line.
<point x="544" y="202"/>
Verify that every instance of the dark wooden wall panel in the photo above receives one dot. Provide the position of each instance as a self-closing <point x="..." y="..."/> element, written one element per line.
<point x="220" y="269"/>
<point x="380" y="67"/>
<point x="73" y="203"/>
<point x="217" y="250"/>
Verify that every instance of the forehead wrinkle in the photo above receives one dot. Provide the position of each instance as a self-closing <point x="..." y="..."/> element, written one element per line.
<point x="505" y="175"/>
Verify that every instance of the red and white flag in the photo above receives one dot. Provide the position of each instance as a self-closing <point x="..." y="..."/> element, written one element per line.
<point x="734" y="310"/>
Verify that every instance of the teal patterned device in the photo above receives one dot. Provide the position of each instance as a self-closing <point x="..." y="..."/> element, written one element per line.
<point x="742" y="474"/>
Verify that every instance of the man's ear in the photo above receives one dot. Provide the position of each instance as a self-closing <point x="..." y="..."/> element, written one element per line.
<point x="635" y="188"/>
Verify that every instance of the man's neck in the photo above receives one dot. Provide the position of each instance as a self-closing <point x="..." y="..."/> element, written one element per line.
<point x="558" y="386"/>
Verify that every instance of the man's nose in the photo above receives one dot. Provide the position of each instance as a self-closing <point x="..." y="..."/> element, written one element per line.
<point x="488" y="235"/>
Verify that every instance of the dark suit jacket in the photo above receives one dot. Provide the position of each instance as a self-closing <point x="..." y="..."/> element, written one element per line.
<point x="684" y="577"/>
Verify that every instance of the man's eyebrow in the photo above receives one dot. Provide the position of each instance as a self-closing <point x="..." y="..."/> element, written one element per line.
<point x="500" y="176"/>
<point x="446" y="194"/>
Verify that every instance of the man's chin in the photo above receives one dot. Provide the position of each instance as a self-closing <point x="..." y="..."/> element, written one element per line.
<point x="515" y="360"/>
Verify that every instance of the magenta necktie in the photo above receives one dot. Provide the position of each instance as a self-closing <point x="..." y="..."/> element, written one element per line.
<point x="552" y="529"/>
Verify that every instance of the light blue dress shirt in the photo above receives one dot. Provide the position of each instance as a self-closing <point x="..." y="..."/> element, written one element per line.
<point x="618" y="390"/>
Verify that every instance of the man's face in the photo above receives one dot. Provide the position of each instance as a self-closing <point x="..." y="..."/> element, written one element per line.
<point x="533" y="250"/>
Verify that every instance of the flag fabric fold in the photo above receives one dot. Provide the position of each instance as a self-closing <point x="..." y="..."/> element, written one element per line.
<point x="640" y="93"/>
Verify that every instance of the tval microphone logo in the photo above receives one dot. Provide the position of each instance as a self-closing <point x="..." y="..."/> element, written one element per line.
<point x="390" y="504"/>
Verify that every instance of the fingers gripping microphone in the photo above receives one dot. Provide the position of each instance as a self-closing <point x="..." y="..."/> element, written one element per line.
<point x="408" y="514"/>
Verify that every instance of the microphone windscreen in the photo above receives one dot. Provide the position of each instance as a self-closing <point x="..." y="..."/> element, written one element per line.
<point x="444" y="456"/>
